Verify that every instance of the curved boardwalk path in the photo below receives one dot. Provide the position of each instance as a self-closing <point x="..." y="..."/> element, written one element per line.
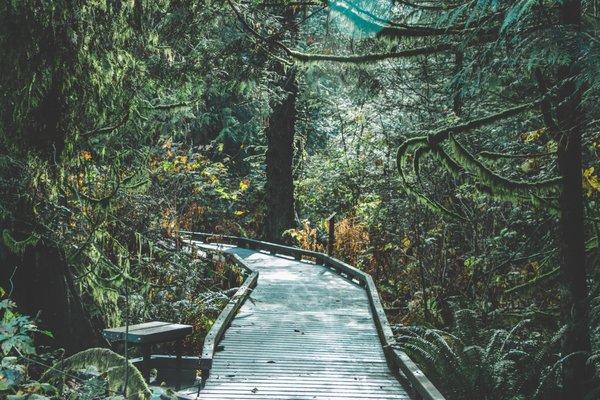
<point x="304" y="333"/>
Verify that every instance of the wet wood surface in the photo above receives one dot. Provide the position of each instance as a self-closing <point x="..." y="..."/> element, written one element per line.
<point x="305" y="332"/>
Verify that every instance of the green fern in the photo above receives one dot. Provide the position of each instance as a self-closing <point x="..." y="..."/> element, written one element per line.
<point x="471" y="362"/>
<point x="110" y="365"/>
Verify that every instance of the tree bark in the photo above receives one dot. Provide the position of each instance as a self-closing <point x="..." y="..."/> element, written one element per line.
<point x="280" y="134"/>
<point x="138" y="14"/>
<point x="576" y="374"/>
<point x="279" y="160"/>
<point x="42" y="285"/>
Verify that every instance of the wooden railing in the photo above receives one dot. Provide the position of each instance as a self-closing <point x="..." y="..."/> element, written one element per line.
<point x="397" y="359"/>
<point x="217" y="330"/>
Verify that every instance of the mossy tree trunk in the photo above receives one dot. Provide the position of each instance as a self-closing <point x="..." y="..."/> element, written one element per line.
<point x="38" y="276"/>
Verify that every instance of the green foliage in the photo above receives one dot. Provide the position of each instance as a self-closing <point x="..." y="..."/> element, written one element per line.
<point x="470" y="361"/>
<point x="16" y="341"/>
<point x="119" y="127"/>
<point x="16" y="330"/>
<point x="18" y="246"/>
<point x="86" y="125"/>
<point x="107" y="363"/>
<point x="13" y="374"/>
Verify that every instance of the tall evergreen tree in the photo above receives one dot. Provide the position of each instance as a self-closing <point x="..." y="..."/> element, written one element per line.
<point x="280" y="132"/>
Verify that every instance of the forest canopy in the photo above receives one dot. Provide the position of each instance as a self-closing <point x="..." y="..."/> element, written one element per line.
<point x="457" y="143"/>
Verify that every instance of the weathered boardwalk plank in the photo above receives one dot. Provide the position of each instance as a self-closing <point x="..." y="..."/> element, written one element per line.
<point x="304" y="333"/>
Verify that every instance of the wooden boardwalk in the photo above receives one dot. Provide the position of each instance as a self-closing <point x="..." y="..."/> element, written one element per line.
<point x="304" y="333"/>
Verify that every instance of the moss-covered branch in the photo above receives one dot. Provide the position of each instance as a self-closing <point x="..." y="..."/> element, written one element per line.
<point x="367" y="58"/>
<point x="419" y="153"/>
<point x="421" y="149"/>
<point x="492" y="155"/>
<point x="115" y="368"/>
<point x="444" y="133"/>
<point x="459" y="159"/>
<point x="501" y="187"/>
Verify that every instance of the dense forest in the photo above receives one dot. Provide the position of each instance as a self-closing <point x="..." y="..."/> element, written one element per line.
<point x="456" y="141"/>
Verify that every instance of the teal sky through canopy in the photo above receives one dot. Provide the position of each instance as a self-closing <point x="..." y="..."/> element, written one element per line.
<point x="363" y="17"/>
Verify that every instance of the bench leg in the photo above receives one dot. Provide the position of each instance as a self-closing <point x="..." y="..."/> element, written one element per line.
<point x="178" y="350"/>
<point x="146" y="354"/>
<point x="203" y="379"/>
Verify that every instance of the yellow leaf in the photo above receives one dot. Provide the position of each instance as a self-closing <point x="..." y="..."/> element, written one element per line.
<point x="591" y="183"/>
<point x="168" y="144"/>
<point x="360" y="118"/>
<point x="244" y="185"/>
<point x="406" y="243"/>
<point x="181" y="159"/>
<point x="551" y="146"/>
<point x="86" y="155"/>
<point x="532" y="136"/>
<point x="528" y="165"/>
<point x="239" y="213"/>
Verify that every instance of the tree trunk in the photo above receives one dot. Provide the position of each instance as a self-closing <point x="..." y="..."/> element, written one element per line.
<point x="38" y="276"/>
<point x="572" y="258"/>
<point x="138" y="14"/>
<point x="279" y="160"/>
<point x="574" y="289"/>
<point x="42" y="285"/>
<point x="280" y="154"/>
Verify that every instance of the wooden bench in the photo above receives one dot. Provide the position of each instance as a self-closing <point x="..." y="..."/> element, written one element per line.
<point x="147" y="334"/>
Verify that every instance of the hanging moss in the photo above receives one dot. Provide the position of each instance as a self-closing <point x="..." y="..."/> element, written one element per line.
<point x="420" y="144"/>
<point x="107" y="363"/>
<point x="451" y="165"/>
<point x="406" y="147"/>
<point x="456" y="162"/>
<point x="417" y="155"/>
<point x="18" y="246"/>
<point x="502" y="188"/>
<point x="460" y="159"/>
<point x="424" y="200"/>
<point x="367" y="58"/>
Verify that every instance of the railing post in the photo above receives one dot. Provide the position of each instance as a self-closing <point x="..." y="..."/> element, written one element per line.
<point x="331" y="234"/>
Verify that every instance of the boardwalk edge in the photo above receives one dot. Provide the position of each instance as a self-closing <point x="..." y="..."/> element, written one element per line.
<point x="399" y="361"/>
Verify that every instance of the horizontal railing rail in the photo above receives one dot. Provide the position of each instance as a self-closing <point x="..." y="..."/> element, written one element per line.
<point x="397" y="359"/>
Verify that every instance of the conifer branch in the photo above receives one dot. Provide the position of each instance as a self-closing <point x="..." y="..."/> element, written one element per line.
<point x="111" y="128"/>
<point x="364" y="58"/>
